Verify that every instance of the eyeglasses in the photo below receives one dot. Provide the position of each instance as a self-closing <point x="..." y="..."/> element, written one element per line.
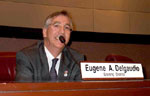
<point x="58" y="25"/>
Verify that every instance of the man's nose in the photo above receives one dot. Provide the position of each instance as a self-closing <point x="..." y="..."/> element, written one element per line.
<point x="62" y="30"/>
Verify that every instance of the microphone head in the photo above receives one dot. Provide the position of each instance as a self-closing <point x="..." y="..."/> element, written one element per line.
<point x="62" y="39"/>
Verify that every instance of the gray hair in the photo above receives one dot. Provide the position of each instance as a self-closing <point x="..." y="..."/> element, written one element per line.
<point x="49" y="19"/>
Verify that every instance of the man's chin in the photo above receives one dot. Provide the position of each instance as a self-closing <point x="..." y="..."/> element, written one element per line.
<point x="60" y="45"/>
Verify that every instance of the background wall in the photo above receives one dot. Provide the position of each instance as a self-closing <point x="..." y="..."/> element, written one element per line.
<point x="110" y="16"/>
<point x="107" y="16"/>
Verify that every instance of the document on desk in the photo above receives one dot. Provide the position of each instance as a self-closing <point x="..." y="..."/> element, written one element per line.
<point x="96" y="70"/>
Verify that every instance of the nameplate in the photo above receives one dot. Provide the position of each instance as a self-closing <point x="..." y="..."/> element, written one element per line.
<point x="90" y="70"/>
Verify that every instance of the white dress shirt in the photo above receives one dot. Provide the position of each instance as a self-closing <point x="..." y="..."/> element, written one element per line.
<point x="50" y="57"/>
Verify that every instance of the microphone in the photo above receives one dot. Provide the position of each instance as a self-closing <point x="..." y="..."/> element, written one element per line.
<point x="62" y="40"/>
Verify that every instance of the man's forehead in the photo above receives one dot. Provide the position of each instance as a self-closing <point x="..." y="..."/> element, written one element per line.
<point x="58" y="22"/>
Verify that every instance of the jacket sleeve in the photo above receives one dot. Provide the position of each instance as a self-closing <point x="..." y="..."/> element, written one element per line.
<point x="24" y="72"/>
<point x="78" y="70"/>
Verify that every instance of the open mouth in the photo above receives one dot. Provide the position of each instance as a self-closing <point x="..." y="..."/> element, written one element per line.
<point x="57" y="37"/>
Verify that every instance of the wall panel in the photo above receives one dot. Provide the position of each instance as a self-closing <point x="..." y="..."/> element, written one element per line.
<point x="63" y="3"/>
<point x="14" y="45"/>
<point x="111" y="21"/>
<point x="140" y="23"/>
<point x="110" y="16"/>
<point x="139" y="5"/>
<point x="29" y="15"/>
<point x="111" y="4"/>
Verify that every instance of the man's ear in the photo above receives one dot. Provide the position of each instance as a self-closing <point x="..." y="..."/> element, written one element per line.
<point x="44" y="32"/>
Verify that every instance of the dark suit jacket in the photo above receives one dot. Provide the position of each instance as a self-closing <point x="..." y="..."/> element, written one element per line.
<point x="32" y="65"/>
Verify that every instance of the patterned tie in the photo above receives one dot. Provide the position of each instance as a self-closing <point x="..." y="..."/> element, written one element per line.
<point x="53" y="73"/>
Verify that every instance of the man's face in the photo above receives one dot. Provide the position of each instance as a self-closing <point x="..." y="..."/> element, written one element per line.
<point x="60" y="25"/>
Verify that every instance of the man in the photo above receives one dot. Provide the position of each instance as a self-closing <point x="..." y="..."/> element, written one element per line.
<point x="36" y="63"/>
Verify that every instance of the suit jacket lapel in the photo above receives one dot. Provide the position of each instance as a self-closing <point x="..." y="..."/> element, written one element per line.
<point x="65" y="66"/>
<point x="44" y="63"/>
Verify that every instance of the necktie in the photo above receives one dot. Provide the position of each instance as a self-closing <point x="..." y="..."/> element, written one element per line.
<point x="53" y="73"/>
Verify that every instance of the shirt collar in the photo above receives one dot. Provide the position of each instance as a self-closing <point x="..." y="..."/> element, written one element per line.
<point x="50" y="57"/>
<point x="48" y="54"/>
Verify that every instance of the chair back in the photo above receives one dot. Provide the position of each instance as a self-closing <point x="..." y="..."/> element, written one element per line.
<point x="7" y="66"/>
<point x="116" y="58"/>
